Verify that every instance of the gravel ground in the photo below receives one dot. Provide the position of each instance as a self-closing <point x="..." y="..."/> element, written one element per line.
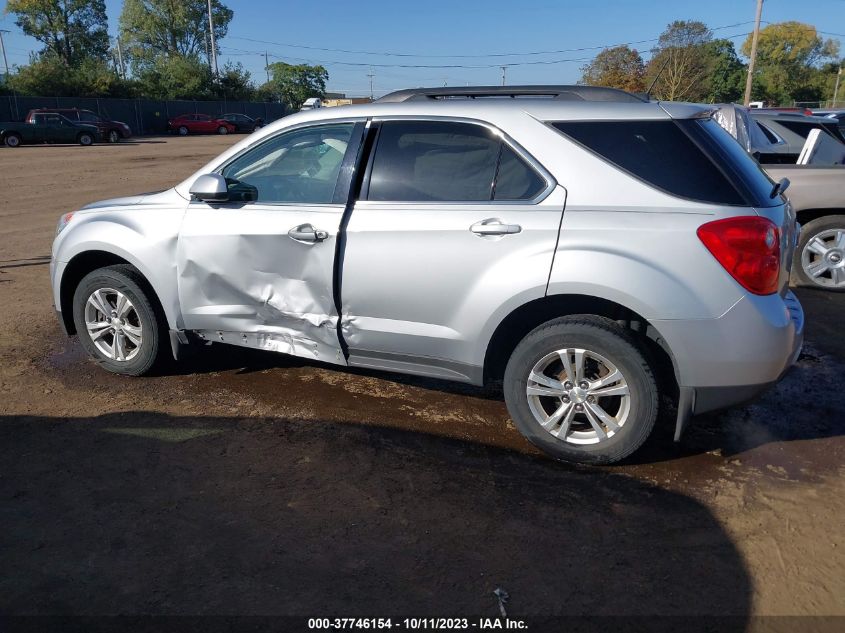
<point x="251" y="483"/>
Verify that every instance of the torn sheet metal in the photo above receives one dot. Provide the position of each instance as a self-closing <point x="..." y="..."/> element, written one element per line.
<point x="243" y="281"/>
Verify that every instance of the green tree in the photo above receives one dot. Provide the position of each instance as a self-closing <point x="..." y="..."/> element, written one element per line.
<point x="789" y="55"/>
<point x="678" y="62"/>
<point x="234" y="83"/>
<point x="725" y="72"/>
<point x="71" y="30"/>
<point x="50" y="76"/>
<point x="176" y="77"/>
<point x="151" y="29"/>
<point x="293" y="84"/>
<point x="619" y="67"/>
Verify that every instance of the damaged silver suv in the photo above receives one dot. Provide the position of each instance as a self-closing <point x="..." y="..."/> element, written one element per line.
<point x="591" y="250"/>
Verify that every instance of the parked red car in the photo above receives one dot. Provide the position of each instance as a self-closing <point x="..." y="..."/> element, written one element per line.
<point x="199" y="124"/>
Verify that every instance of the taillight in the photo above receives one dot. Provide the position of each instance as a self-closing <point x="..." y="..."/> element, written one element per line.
<point x="749" y="249"/>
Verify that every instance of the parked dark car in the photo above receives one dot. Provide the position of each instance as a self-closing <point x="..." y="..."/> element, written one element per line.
<point x="242" y="122"/>
<point x="199" y="124"/>
<point x="48" y="128"/>
<point x="112" y="131"/>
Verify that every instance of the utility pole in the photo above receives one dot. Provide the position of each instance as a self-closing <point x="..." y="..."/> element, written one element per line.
<point x="835" y="88"/>
<point x="267" y="66"/>
<point x="213" y="46"/>
<point x="120" y="59"/>
<point x="755" y="37"/>
<point x="3" y="49"/>
<point x="504" y="74"/>
<point x="371" y="74"/>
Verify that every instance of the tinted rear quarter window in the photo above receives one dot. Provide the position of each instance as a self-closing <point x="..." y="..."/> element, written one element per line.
<point x="677" y="157"/>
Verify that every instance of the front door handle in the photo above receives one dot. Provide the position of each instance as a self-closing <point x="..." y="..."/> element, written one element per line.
<point x="307" y="233"/>
<point x="494" y="226"/>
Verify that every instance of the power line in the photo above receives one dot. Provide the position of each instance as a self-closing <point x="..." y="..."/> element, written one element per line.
<point x="474" y="56"/>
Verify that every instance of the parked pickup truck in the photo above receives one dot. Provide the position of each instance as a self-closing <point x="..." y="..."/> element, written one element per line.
<point x="47" y="128"/>
<point x="111" y="131"/>
<point x="817" y="193"/>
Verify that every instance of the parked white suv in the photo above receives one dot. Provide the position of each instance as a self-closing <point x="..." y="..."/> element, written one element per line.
<point x="590" y="249"/>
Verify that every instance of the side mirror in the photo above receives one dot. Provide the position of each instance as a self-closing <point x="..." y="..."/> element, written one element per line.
<point x="210" y="188"/>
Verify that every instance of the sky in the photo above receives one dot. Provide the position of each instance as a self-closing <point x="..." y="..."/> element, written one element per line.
<point x="536" y="39"/>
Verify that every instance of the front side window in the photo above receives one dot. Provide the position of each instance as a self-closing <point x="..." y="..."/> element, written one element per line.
<point x="424" y="161"/>
<point x="300" y="166"/>
<point x="88" y="116"/>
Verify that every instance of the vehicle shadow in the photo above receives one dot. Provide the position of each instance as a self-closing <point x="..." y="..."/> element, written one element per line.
<point x="140" y="512"/>
<point x="782" y="414"/>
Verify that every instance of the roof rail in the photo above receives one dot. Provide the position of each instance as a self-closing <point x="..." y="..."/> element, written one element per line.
<point x="566" y="93"/>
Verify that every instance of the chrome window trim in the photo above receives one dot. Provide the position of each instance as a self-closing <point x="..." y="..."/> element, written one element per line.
<point x="267" y="139"/>
<point x="551" y="183"/>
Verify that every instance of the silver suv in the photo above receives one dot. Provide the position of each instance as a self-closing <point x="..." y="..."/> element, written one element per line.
<point x="592" y="250"/>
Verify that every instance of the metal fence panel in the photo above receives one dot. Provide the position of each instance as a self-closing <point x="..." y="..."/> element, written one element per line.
<point x="144" y="116"/>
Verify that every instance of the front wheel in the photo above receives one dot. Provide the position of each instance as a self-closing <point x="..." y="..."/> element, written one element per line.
<point x="820" y="258"/>
<point x="183" y="131"/>
<point x="222" y="130"/>
<point x="85" y="139"/>
<point x="580" y="389"/>
<point x="13" y="140"/>
<point x="116" y="321"/>
<point x="114" y="136"/>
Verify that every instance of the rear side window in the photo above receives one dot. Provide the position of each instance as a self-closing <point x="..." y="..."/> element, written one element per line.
<point x="424" y="161"/>
<point x="659" y="153"/>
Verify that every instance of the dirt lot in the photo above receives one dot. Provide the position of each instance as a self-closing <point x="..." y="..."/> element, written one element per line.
<point x="249" y="483"/>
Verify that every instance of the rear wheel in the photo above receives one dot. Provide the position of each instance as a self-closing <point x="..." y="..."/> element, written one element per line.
<point x="13" y="140"/>
<point x="820" y="259"/>
<point x="580" y="389"/>
<point x="116" y="321"/>
<point x="85" y="139"/>
<point x="183" y="131"/>
<point x="222" y="130"/>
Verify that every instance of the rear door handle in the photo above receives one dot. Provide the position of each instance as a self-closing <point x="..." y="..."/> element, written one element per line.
<point x="307" y="233"/>
<point x="494" y="226"/>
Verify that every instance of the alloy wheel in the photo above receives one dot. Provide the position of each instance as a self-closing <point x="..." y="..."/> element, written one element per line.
<point x="113" y="324"/>
<point x="578" y="396"/>
<point x="823" y="258"/>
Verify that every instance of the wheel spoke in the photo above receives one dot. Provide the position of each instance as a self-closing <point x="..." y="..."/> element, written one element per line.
<point x="555" y="417"/>
<point x="612" y="377"/>
<point x="99" y="329"/>
<point x="840" y="240"/>
<point x="579" y="365"/>
<point x="600" y="432"/>
<point x="817" y="246"/>
<point x="119" y="346"/>
<point x="133" y="334"/>
<point x="567" y="364"/>
<point x="602" y="415"/>
<point x="564" y="426"/>
<point x="617" y="390"/>
<point x="546" y="381"/>
<point x="838" y="275"/>
<point x="533" y="390"/>
<point x="99" y="301"/>
<point x="122" y="305"/>
<point x="818" y="268"/>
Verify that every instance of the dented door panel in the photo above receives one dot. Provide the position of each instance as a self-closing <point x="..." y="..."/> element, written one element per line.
<point x="243" y="280"/>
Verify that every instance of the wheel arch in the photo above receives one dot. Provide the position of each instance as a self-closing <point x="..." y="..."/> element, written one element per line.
<point x="522" y="320"/>
<point x="808" y="215"/>
<point x="86" y="262"/>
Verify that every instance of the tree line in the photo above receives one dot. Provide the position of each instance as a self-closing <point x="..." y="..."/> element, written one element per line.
<point x="794" y="63"/>
<point x="162" y="52"/>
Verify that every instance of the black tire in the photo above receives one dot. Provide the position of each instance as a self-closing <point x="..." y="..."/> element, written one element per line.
<point x="114" y="136"/>
<point x="614" y="343"/>
<point x="820" y="228"/>
<point x="13" y="140"/>
<point x="128" y="281"/>
<point x="183" y="131"/>
<point x="222" y="130"/>
<point x="85" y="139"/>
